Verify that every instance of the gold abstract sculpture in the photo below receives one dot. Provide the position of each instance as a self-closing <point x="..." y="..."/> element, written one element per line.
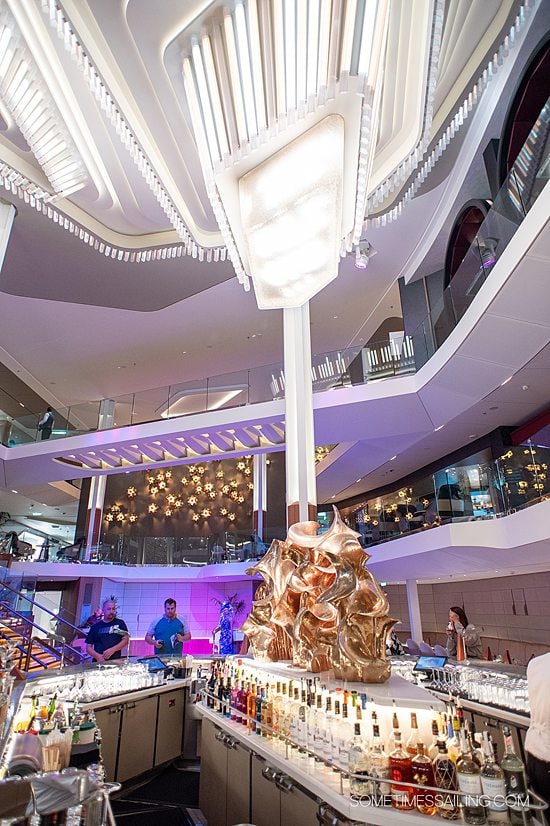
<point x="319" y="606"/>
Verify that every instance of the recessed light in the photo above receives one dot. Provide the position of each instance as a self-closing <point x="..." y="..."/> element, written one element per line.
<point x="525" y="387"/>
<point x="335" y="316"/>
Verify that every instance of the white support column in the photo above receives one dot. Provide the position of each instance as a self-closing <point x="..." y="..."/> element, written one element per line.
<point x="259" y="498"/>
<point x="301" y="492"/>
<point x="98" y="483"/>
<point x="414" y="610"/>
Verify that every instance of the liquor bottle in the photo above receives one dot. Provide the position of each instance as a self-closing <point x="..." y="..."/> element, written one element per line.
<point x="286" y="712"/>
<point x="239" y="702"/>
<point x="402" y="796"/>
<point x="516" y="783"/>
<point x="226" y="708"/>
<point x="328" y="730"/>
<point x="267" y="712"/>
<point x="251" y="707"/>
<point x="234" y="700"/>
<point x="210" y="687"/>
<point x="493" y="785"/>
<point x="445" y="778"/>
<point x="475" y="746"/>
<point x="394" y="728"/>
<point x="260" y="697"/>
<point x="220" y="688"/>
<point x="414" y="738"/>
<point x="336" y="728"/>
<point x="433" y="751"/>
<point x="345" y="734"/>
<point x="378" y="764"/>
<point x="469" y="781"/>
<point x="294" y="720"/>
<point x="358" y="765"/>
<point x="277" y="705"/>
<point x="453" y="742"/>
<point x="318" y="728"/>
<point x="303" y="718"/>
<point x="423" y="775"/>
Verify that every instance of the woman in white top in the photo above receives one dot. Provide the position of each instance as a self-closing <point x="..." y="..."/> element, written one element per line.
<point x="537" y="741"/>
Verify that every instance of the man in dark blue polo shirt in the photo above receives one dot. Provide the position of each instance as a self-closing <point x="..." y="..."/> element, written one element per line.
<point x="108" y="637"/>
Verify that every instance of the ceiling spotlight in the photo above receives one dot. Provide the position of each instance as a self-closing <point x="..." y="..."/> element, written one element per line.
<point x="363" y="253"/>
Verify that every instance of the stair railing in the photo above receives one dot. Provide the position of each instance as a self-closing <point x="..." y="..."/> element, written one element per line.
<point x="65" y="651"/>
<point x="39" y="641"/>
<point x="52" y="614"/>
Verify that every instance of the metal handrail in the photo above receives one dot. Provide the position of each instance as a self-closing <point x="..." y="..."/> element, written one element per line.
<point x="42" y="608"/>
<point x="26" y="621"/>
<point x="45" y="645"/>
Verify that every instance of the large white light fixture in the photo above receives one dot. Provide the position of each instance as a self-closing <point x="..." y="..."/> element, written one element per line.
<point x="291" y="209"/>
<point x="27" y="98"/>
<point x="258" y="75"/>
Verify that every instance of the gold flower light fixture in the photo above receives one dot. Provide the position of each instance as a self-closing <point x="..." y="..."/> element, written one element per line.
<point x="208" y="486"/>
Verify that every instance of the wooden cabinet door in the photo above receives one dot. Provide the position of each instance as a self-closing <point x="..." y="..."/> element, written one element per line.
<point x="108" y="720"/>
<point x="238" y="786"/>
<point x="298" y="807"/>
<point x="213" y="779"/>
<point x="171" y="713"/>
<point x="265" y="798"/>
<point x="137" y="738"/>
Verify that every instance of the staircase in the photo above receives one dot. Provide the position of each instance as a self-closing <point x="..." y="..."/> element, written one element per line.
<point x="41" y="654"/>
<point x="38" y="648"/>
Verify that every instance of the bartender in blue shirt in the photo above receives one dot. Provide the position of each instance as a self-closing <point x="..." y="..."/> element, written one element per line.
<point x="169" y="632"/>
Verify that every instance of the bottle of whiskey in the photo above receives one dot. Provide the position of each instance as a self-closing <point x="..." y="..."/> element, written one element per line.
<point x="516" y="783"/>
<point x="493" y="785"/>
<point x="469" y="782"/>
<point x="423" y="775"/>
<point x="445" y="779"/>
<point x="358" y="765"/>
<point x="402" y="795"/>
